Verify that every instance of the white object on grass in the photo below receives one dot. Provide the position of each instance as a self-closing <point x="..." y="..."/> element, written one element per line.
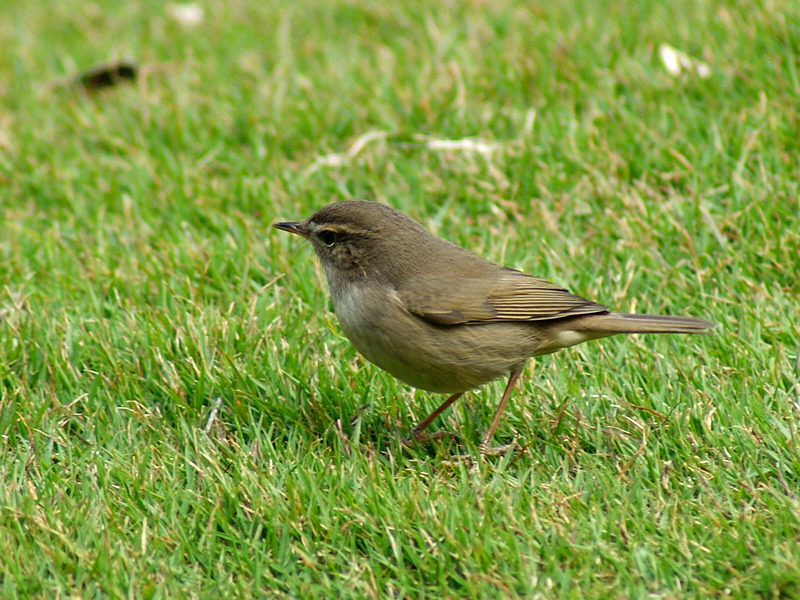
<point x="676" y="62"/>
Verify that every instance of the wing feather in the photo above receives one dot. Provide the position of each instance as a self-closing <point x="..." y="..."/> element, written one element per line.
<point x="521" y="297"/>
<point x="493" y="296"/>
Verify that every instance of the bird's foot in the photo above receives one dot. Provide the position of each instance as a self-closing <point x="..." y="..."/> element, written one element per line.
<point x="419" y="438"/>
<point x="352" y="420"/>
<point x="485" y="450"/>
<point x="460" y="459"/>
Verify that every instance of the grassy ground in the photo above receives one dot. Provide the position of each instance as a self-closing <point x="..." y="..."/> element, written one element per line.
<point x="140" y="282"/>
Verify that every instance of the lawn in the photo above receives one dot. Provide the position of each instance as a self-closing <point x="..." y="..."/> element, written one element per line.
<point x="180" y="414"/>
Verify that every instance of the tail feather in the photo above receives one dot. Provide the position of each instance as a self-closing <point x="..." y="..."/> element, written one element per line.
<point x="613" y="323"/>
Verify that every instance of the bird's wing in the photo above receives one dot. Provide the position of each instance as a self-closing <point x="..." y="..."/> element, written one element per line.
<point x="521" y="297"/>
<point x="503" y="295"/>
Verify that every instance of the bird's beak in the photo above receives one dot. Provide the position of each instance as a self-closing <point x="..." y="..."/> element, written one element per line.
<point x="292" y="227"/>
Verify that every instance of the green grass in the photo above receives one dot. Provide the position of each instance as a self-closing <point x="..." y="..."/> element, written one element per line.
<point x="140" y="281"/>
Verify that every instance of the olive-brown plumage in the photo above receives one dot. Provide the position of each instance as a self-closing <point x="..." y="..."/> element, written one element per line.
<point x="441" y="318"/>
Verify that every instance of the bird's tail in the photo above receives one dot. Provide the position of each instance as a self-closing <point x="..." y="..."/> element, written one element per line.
<point x="613" y="323"/>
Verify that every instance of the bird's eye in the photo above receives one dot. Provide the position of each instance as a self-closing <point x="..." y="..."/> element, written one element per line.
<point x="328" y="238"/>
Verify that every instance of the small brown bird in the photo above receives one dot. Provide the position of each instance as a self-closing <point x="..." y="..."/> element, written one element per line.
<point x="443" y="319"/>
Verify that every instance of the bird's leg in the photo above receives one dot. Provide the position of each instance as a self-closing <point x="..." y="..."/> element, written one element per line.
<point x="484" y="448"/>
<point x="416" y="433"/>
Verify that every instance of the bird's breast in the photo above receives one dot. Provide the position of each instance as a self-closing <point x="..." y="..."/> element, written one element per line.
<point x="369" y="319"/>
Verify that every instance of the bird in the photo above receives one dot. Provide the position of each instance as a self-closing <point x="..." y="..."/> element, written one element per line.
<point x="442" y="319"/>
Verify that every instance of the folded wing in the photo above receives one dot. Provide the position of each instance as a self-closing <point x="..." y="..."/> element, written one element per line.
<point x="495" y="296"/>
